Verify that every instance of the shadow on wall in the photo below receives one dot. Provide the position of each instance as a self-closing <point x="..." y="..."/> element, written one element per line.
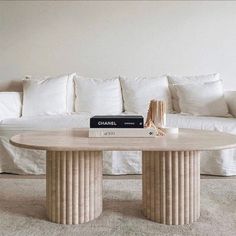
<point x="11" y="86"/>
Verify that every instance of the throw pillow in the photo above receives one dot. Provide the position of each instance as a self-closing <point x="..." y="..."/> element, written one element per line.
<point x="198" y="79"/>
<point x="202" y="99"/>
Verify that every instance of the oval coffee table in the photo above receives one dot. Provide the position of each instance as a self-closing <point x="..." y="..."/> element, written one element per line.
<point x="170" y="165"/>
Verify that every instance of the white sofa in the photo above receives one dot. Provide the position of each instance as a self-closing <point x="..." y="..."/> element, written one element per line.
<point x="23" y="161"/>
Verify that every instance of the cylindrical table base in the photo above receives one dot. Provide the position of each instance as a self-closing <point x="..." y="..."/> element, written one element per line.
<point x="171" y="186"/>
<point x="74" y="186"/>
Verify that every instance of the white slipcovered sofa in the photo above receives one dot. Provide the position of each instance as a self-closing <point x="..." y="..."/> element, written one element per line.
<point x="23" y="161"/>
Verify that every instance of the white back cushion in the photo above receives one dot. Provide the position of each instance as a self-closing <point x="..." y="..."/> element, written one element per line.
<point x="70" y="98"/>
<point x="10" y="105"/>
<point x="198" y="79"/>
<point x="98" y="96"/>
<point x="202" y="99"/>
<point x="137" y="93"/>
<point x="230" y="97"/>
<point x="45" y="97"/>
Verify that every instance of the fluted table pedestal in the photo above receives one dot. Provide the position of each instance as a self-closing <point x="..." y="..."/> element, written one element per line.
<point x="171" y="186"/>
<point x="74" y="186"/>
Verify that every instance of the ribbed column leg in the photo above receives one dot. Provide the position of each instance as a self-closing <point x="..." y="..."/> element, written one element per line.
<point x="171" y="186"/>
<point x="186" y="187"/>
<point x="175" y="189"/>
<point x="181" y="188"/>
<point x="74" y="186"/>
<point x="48" y="183"/>
<point x="162" y="196"/>
<point x="62" y="186"/>
<point x="75" y="181"/>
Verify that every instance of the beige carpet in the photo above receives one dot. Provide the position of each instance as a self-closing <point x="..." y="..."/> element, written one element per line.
<point x="22" y="211"/>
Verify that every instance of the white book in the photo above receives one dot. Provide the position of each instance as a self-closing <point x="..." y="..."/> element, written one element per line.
<point x="122" y="132"/>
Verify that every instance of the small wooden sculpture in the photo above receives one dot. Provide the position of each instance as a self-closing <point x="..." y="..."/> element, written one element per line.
<point x="156" y="116"/>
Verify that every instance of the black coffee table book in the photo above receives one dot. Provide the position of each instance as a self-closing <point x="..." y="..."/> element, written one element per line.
<point x="119" y="127"/>
<point x="120" y="121"/>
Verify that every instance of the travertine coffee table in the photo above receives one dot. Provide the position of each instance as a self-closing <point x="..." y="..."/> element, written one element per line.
<point x="171" y="172"/>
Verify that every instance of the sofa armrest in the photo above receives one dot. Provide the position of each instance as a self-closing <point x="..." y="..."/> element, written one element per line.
<point x="231" y="101"/>
<point x="10" y="105"/>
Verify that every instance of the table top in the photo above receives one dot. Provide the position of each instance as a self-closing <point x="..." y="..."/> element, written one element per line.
<point x="77" y="139"/>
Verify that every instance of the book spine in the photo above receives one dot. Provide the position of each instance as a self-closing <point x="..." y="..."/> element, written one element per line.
<point x="116" y="123"/>
<point x="122" y="133"/>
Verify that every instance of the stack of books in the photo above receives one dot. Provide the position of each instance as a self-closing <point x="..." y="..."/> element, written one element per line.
<point x="119" y="126"/>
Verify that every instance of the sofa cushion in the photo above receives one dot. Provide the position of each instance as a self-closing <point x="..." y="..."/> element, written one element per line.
<point x="98" y="96"/>
<point x="230" y="97"/>
<point x="45" y="97"/>
<point x="202" y="122"/>
<point x="46" y="122"/>
<point x="70" y="97"/>
<point x="198" y="79"/>
<point x="202" y="99"/>
<point x="138" y="92"/>
<point x="10" y="105"/>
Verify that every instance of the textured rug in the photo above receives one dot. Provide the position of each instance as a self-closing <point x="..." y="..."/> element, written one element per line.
<point x="22" y="211"/>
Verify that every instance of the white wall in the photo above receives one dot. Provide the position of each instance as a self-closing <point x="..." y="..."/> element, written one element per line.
<point x="110" y="38"/>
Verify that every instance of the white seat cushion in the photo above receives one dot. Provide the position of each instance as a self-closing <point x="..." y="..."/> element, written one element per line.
<point x="202" y="122"/>
<point x="9" y="127"/>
